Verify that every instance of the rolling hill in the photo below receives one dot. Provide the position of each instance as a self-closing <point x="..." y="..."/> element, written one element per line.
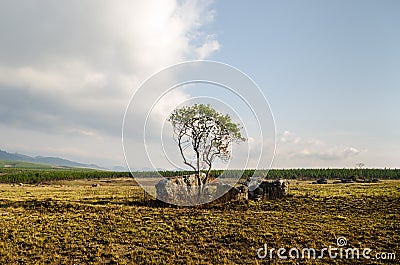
<point x="52" y="161"/>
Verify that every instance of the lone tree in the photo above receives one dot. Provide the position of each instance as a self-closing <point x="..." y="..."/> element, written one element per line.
<point x="203" y="134"/>
<point x="360" y="166"/>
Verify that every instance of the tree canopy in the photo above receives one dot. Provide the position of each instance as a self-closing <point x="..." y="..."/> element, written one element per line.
<point x="203" y="134"/>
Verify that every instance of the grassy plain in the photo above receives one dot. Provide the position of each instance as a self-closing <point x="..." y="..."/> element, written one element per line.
<point x="71" y="222"/>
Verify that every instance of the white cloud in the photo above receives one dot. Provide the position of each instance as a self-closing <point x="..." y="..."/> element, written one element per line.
<point x="333" y="153"/>
<point x="294" y="148"/>
<point x="70" y="67"/>
<point x="288" y="137"/>
<point x="208" y="47"/>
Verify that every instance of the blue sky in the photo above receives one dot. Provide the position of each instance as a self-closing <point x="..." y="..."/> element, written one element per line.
<point x="328" y="68"/>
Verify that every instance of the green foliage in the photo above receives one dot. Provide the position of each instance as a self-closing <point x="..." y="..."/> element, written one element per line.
<point x="13" y="175"/>
<point x="37" y="176"/>
<point x="204" y="116"/>
<point x="300" y="174"/>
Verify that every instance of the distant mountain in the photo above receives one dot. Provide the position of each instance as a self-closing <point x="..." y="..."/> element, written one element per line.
<point x="148" y="169"/>
<point x="120" y="169"/>
<point x="56" y="161"/>
<point x="14" y="157"/>
<point x="142" y="169"/>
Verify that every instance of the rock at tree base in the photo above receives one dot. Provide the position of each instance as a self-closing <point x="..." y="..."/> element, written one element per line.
<point x="182" y="190"/>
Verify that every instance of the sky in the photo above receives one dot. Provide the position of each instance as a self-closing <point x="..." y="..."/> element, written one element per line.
<point x="329" y="70"/>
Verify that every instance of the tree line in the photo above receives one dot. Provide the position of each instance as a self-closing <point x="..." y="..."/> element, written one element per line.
<point x="38" y="176"/>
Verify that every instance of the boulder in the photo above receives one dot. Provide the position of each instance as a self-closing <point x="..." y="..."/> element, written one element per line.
<point x="322" y="181"/>
<point x="347" y="180"/>
<point x="269" y="189"/>
<point x="182" y="190"/>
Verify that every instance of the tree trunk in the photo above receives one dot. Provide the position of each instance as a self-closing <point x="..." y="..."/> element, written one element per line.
<point x="199" y="182"/>
<point x="208" y="173"/>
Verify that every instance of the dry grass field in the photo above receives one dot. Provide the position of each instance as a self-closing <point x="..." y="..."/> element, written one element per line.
<point x="71" y="222"/>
